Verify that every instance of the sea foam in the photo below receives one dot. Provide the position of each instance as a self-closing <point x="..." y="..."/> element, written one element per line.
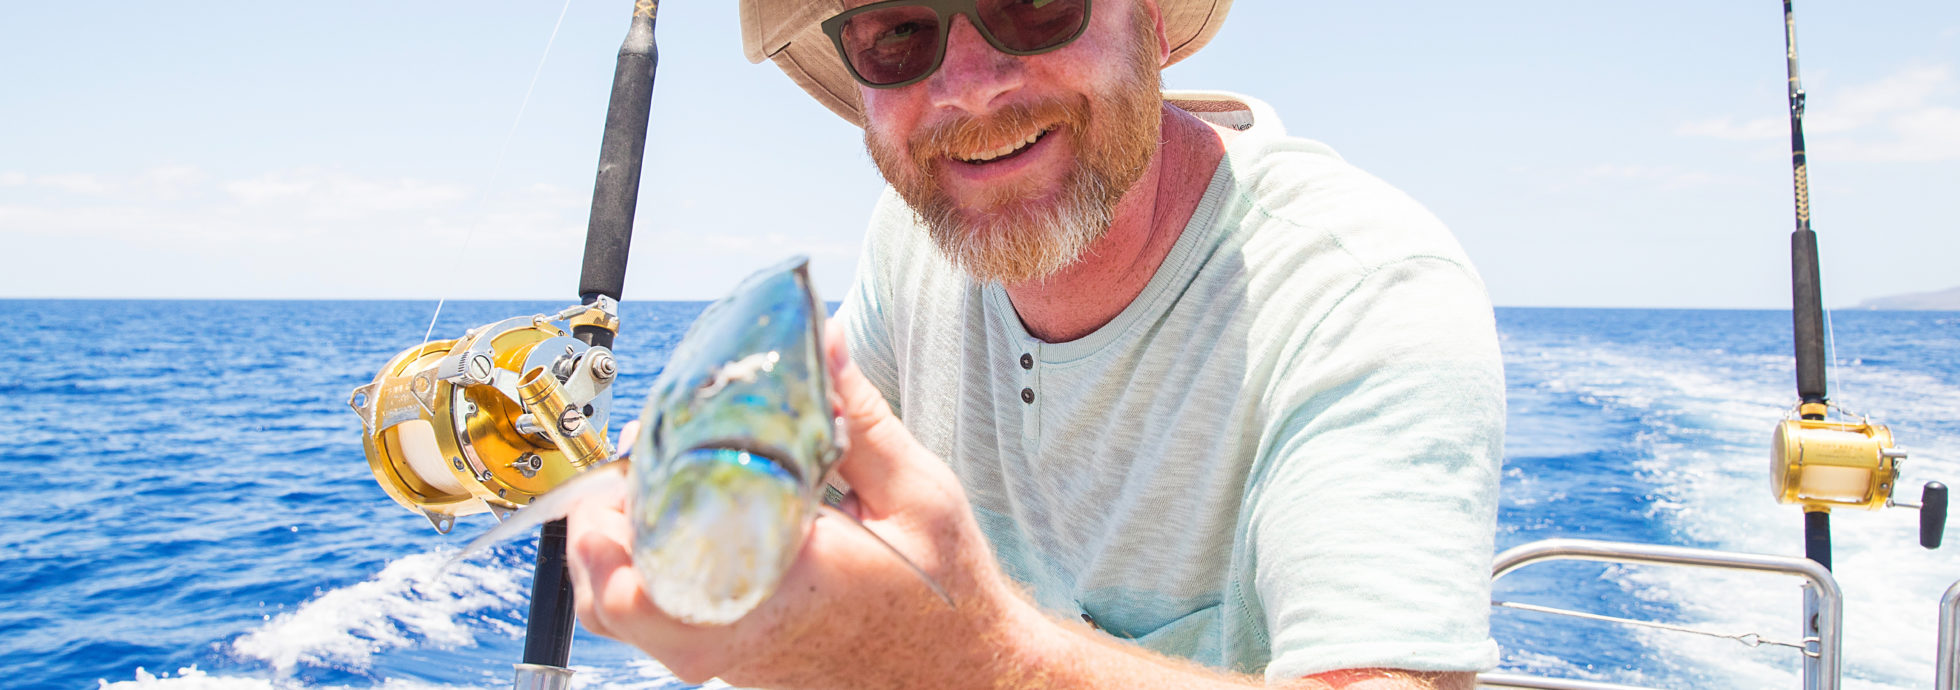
<point x="410" y="602"/>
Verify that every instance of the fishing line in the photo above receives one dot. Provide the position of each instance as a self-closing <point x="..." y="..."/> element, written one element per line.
<point x="497" y="167"/>
<point x="1831" y="355"/>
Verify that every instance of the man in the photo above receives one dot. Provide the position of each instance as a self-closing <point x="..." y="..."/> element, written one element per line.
<point x="1162" y="397"/>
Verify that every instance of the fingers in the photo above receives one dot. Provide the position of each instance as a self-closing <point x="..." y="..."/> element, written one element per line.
<point x="623" y="443"/>
<point x="858" y="403"/>
<point x="879" y="450"/>
<point x="610" y="598"/>
<point x="597" y="550"/>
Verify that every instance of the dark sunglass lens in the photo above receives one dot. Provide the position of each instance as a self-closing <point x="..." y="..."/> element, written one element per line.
<point x="892" y="45"/>
<point x="1032" y="25"/>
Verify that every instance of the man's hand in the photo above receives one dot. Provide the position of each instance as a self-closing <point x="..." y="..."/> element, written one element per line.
<point x="848" y="613"/>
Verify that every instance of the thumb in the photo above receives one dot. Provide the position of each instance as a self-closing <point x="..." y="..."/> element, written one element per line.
<point x="881" y="459"/>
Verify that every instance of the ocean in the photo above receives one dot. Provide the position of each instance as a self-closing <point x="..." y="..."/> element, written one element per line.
<point x="190" y="507"/>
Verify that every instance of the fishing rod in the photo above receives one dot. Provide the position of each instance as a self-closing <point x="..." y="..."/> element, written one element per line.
<point x="602" y="278"/>
<point x="1816" y="462"/>
<point x="492" y="420"/>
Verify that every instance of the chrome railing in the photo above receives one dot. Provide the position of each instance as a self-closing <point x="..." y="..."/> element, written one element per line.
<point x="1822" y="664"/>
<point x="1947" y="675"/>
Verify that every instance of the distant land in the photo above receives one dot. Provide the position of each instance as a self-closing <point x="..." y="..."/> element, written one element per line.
<point x="1942" y="300"/>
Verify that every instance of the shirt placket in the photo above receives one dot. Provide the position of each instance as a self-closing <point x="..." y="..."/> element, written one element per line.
<point x="1028" y="365"/>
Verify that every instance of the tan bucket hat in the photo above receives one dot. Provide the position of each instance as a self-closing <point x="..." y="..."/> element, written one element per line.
<point x="788" y="32"/>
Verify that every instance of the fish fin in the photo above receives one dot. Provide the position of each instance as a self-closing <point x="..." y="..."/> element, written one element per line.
<point x="916" y="570"/>
<point x="603" y="480"/>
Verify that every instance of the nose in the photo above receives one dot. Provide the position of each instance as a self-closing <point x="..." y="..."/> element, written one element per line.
<point x="973" y="74"/>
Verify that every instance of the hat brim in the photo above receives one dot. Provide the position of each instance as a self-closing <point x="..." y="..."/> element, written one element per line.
<point x="787" y="32"/>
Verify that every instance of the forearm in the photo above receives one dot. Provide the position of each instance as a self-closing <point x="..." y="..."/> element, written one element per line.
<point x="1065" y="655"/>
<point x="1074" y="656"/>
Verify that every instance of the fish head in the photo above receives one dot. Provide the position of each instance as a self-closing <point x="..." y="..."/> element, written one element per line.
<point x="734" y="443"/>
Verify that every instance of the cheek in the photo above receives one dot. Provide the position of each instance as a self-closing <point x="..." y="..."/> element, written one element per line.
<point x="887" y="110"/>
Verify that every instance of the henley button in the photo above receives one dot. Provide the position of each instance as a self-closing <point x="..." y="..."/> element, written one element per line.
<point x="1027" y="395"/>
<point x="1027" y="361"/>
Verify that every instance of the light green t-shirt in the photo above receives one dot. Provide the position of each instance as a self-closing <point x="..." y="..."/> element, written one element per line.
<point x="1282" y="456"/>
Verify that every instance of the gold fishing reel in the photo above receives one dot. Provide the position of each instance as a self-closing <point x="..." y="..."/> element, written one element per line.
<point x="1822" y="464"/>
<point x="1832" y="464"/>
<point x="491" y="420"/>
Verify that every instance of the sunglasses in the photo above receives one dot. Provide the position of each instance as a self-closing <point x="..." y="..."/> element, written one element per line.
<point x="887" y="45"/>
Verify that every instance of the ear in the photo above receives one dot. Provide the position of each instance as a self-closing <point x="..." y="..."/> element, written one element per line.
<point x="1163" y="39"/>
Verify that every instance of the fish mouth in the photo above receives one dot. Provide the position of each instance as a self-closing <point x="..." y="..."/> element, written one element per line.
<point x="749" y="451"/>
<point x="1005" y="151"/>
<point x="715" y="532"/>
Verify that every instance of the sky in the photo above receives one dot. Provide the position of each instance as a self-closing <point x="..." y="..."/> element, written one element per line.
<point x="1585" y="154"/>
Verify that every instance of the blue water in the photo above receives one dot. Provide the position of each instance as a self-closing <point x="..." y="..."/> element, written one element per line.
<point x="187" y="503"/>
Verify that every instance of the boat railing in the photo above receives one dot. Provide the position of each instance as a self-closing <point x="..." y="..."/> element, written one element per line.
<point x="1823" y="605"/>
<point x="1947" y="674"/>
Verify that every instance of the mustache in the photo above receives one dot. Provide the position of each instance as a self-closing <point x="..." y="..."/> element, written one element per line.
<point x="967" y="134"/>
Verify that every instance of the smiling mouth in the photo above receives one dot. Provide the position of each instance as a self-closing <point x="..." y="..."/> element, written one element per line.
<point x="1005" y="152"/>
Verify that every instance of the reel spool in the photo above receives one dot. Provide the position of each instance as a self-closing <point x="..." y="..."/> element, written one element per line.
<point x="492" y="420"/>
<point x="1822" y="464"/>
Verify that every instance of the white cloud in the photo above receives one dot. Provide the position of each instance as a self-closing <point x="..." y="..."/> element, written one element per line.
<point x="1925" y="134"/>
<point x="337" y="196"/>
<point x="1665" y="177"/>
<point x="76" y="183"/>
<point x="1901" y="117"/>
<point x="1907" y="90"/>
<point x="554" y="195"/>
<point x="308" y="232"/>
<point x="167" y="182"/>
<point x="265" y="191"/>
<point x="1728" y="128"/>
<point x="761" y="246"/>
<point x="189" y="205"/>
<point x="172" y="182"/>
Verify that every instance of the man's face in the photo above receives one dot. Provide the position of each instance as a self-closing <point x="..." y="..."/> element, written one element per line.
<point x="1016" y="163"/>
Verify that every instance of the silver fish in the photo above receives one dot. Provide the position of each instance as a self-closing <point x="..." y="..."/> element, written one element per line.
<point x="727" y="471"/>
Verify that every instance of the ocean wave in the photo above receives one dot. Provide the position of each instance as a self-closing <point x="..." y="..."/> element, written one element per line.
<point x="190" y="678"/>
<point x="411" y="602"/>
<point x="638" y="675"/>
<point x="1704" y="424"/>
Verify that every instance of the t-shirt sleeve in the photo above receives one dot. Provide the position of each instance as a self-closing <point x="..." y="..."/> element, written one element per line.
<point x="866" y="310"/>
<point x="1373" y="508"/>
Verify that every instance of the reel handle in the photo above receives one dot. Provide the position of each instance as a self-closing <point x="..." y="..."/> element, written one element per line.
<point x="1932" y="514"/>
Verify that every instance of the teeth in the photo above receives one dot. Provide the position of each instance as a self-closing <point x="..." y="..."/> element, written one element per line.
<point x="985" y="156"/>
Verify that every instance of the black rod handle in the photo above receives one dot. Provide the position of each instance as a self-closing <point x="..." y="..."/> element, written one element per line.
<point x="609" y="231"/>
<point x="1807" y="315"/>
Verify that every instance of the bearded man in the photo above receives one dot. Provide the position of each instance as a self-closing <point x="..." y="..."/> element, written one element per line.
<point x="1161" y="396"/>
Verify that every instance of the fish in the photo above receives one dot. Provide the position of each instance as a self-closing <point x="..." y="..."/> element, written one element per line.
<point x="728" y="470"/>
